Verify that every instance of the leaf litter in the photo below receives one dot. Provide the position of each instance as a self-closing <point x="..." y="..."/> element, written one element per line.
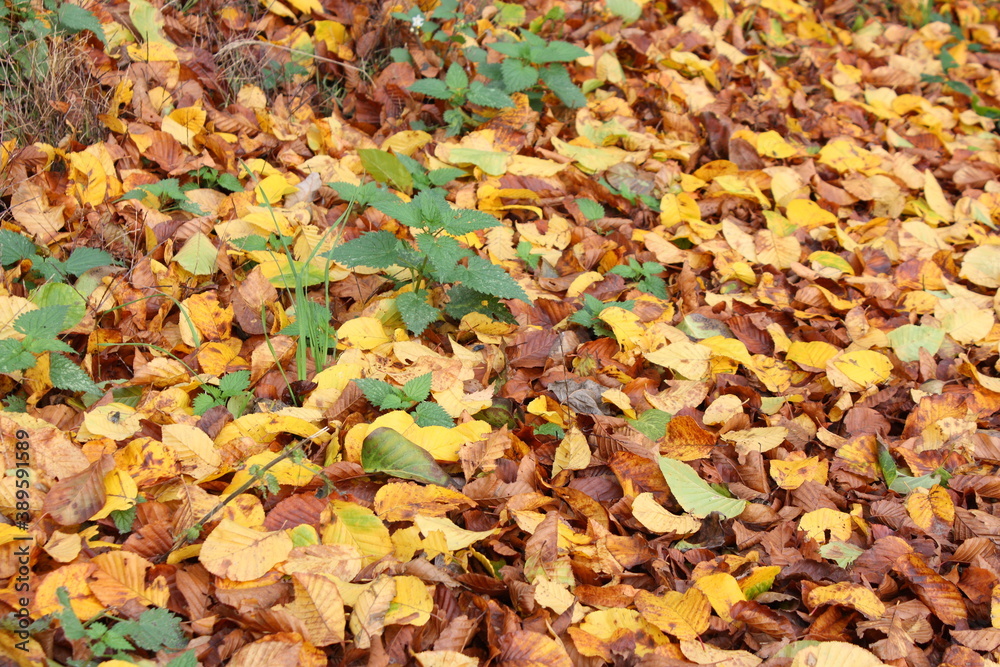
<point x="707" y="367"/>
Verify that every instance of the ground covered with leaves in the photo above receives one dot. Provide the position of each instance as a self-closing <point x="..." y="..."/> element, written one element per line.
<point x="563" y="333"/>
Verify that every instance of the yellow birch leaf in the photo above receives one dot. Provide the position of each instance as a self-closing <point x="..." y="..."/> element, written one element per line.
<point x="683" y="616"/>
<point x="364" y="333"/>
<point x="927" y="505"/>
<point x="319" y="606"/>
<point x="791" y="475"/>
<point x="185" y="124"/>
<point x="936" y="199"/>
<point x="412" y="604"/>
<point x="761" y="439"/>
<point x="573" y="452"/>
<point x="722" y="591"/>
<point x="813" y="355"/>
<point x="685" y="358"/>
<point x="655" y="518"/>
<point x="351" y="524"/>
<point x="778" y="251"/>
<point x="235" y="552"/>
<point x="861" y="369"/>
<point x="815" y="524"/>
<point x="808" y="214"/>
<point x="456" y="538"/>
<point x="846" y="594"/>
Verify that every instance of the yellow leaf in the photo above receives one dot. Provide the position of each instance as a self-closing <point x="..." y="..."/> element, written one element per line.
<point x="235" y="552"/>
<point x="655" y="518"/>
<point x="813" y="355"/>
<point x="364" y="333"/>
<point x="457" y="538"/>
<point x="778" y="251"/>
<point x="581" y="283"/>
<point x="722" y="591"/>
<point x="412" y="604"/>
<point x="678" y="208"/>
<point x="121" y="579"/>
<point x="306" y="6"/>
<point x="846" y="594"/>
<point x="625" y="325"/>
<point x="772" y="144"/>
<point x="835" y="654"/>
<point x="593" y="160"/>
<point x="442" y="443"/>
<point x="683" y="616"/>
<point x="29" y="205"/>
<point x="194" y="451"/>
<point x="401" y="501"/>
<point x="319" y="606"/>
<point x="815" y="524"/>
<point x="121" y="492"/>
<point x="861" y="369"/>
<point x="573" y="452"/>
<point x="792" y="474"/>
<point x="114" y="420"/>
<point x="286" y="471"/>
<point x="936" y="199"/>
<point x="925" y="506"/>
<point x="273" y="189"/>
<point x="445" y="659"/>
<point x="185" y="124"/>
<point x="90" y="178"/>
<point x="808" y="214"/>
<point x="995" y="606"/>
<point x="685" y="358"/>
<point x="368" y="618"/>
<point x="351" y="524"/>
<point x="761" y="439"/>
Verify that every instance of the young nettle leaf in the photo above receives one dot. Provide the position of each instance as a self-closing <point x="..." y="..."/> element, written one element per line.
<point x="43" y="322"/>
<point x="489" y="278"/>
<point x="491" y="98"/>
<point x="14" y="357"/>
<point x="435" y="88"/>
<point x="363" y="196"/>
<point x="518" y="75"/>
<point x="155" y="630"/>
<point x="558" y="80"/>
<point x="65" y="374"/>
<point x="589" y="315"/>
<point x="378" y="250"/>
<point x="444" y="254"/>
<point x="379" y="393"/>
<point x="14" y="247"/>
<point x="234" y="383"/>
<point x="432" y="414"/>
<point x="463" y="300"/>
<point x="419" y="388"/>
<point x="416" y="312"/>
<point x="70" y="622"/>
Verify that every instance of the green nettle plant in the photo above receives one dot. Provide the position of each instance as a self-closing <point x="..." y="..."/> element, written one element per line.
<point x="532" y="62"/>
<point x="41" y="328"/>
<point x="590" y="315"/>
<point x="169" y="194"/>
<point x="457" y="91"/>
<point x="412" y="395"/>
<point x="435" y="268"/>
<point x="106" y="637"/>
<point x="232" y="392"/>
<point x="646" y="276"/>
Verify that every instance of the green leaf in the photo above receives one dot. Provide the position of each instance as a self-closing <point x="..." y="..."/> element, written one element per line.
<point x="463" y="300"/>
<point x="557" y="52"/>
<point x="65" y="374"/>
<point x="444" y="176"/>
<point x="904" y="484"/>
<point x="72" y="627"/>
<point x="202" y="403"/>
<point x="63" y="296"/>
<point x="887" y="464"/>
<point x="44" y="322"/>
<point x="518" y="75"/>
<point x="416" y="312"/>
<point x="590" y="208"/>
<point x="491" y="98"/>
<point x="435" y="88"/>
<point x="386" y="451"/>
<point x="694" y="494"/>
<point x="432" y="414"/>
<point x="230" y="182"/>
<point x="14" y="357"/>
<point x="842" y="553"/>
<point x="408" y="213"/>
<point x="456" y="78"/>
<point x="198" y="256"/>
<point x="379" y="250"/>
<point x="419" y="388"/>
<point x="626" y="9"/>
<point x="551" y="429"/>
<point x="186" y="659"/>
<point x="376" y="391"/>
<point x="651" y="423"/>
<point x="444" y="254"/>
<point x="14" y="247"/>
<point x="234" y="383"/>
<point x="489" y="278"/>
<point x="512" y="49"/>
<point x="156" y="629"/>
<point x="117" y="642"/>
<point x="39" y="345"/>
<point x="386" y="168"/>
<point x="363" y="195"/>
<point x="84" y="259"/>
<point x="559" y="82"/>
<point x="74" y="18"/>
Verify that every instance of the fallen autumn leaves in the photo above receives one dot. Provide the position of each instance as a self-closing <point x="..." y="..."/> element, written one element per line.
<point x="747" y="412"/>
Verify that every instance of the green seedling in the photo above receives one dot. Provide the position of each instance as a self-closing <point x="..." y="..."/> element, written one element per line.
<point x="231" y="392"/>
<point x="411" y="396"/>
<point x="645" y="275"/>
<point x="590" y="315"/>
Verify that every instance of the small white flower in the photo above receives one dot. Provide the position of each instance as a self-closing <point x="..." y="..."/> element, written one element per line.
<point x="417" y="21"/>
